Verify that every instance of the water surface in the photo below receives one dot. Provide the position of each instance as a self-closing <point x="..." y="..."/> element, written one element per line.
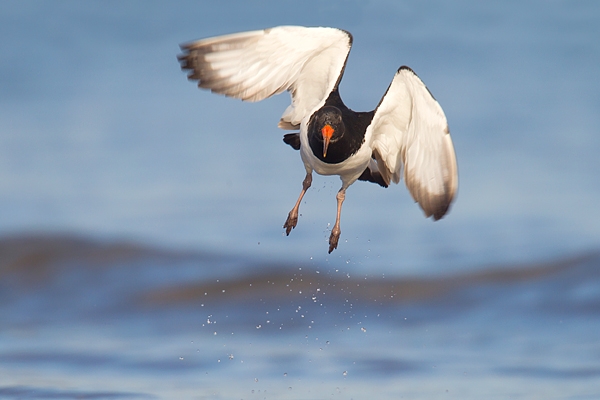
<point x="88" y="319"/>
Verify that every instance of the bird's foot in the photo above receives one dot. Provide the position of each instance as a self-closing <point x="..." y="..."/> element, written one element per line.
<point x="334" y="239"/>
<point x="290" y="222"/>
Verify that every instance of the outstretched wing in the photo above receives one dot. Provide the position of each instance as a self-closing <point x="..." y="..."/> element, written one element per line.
<point x="409" y="131"/>
<point x="307" y="62"/>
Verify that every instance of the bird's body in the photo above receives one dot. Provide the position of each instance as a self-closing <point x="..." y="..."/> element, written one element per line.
<point x="346" y="157"/>
<point x="406" y="135"/>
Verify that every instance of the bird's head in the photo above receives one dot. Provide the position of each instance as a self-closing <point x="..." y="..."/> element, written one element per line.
<point x="328" y="127"/>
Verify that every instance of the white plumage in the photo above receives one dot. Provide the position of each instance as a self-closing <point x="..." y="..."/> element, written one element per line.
<point x="409" y="131"/>
<point x="407" y="134"/>
<point x="255" y="65"/>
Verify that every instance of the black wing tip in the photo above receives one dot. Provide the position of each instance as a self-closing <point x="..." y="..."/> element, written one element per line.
<point x="439" y="214"/>
<point x="350" y="37"/>
<point x="374" y="177"/>
<point x="402" y="68"/>
<point x="439" y="210"/>
<point x="293" y="139"/>
<point x="187" y="46"/>
<point x="184" y="61"/>
<point x="406" y="68"/>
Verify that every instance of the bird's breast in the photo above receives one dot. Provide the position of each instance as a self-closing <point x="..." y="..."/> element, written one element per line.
<point x="348" y="169"/>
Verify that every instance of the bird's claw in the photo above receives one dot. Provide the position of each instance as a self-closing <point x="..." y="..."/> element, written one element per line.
<point x="290" y="222"/>
<point x="334" y="239"/>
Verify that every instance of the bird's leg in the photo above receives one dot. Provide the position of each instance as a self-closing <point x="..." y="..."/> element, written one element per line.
<point x="335" y="232"/>
<point x="292" y="219"/>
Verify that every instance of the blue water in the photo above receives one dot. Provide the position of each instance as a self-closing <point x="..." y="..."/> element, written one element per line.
<point x="86" y="319"/>
<point x="104" y="143"/>
<point x="103" y="135"/>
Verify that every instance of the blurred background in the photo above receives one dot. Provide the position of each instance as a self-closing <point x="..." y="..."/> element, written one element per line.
<point x="137" y="210"/>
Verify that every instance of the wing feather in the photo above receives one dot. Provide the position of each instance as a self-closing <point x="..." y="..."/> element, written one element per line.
<point x="252" y="66"/>
<point x="410" y="133"/>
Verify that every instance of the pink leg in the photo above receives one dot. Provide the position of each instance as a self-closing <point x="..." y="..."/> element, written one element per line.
<point x="336" y="231"/>
<point x="292" y="219"/>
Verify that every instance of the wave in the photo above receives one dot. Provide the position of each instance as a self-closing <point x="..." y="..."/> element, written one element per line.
<point x="183" y="277"/>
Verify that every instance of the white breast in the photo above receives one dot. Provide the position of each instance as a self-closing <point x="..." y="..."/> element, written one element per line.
<point x="349" y="170"/>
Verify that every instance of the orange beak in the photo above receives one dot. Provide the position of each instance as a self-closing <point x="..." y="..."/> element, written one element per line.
<point x="327" y="132"/>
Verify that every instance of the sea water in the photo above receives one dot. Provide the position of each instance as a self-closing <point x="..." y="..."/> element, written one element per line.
<point x="83" y="319"/>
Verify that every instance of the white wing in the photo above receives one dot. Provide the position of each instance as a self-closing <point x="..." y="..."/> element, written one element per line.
<point x="308" y="62"/>
<point x="409" y="130"/>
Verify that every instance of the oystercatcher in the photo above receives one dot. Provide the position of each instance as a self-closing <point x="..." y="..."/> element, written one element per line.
<point x="406" y="135"/>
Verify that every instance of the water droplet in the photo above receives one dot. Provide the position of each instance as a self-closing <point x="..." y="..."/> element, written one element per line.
<point x="345" y="373"/>
<point x="231" y="356"/>
<point x="363" y="329"/>
<point x="181" y="358"/>
<point x="285" y="374"/>
<point x="255" y="380"/>
<point x="258" y="326"/>
<point x="327" y="342"/>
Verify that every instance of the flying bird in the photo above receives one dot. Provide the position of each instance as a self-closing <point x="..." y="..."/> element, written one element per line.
<point x="406" y="135"/>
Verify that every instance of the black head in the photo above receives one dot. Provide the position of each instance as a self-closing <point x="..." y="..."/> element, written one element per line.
<point x="325" y="128"/>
